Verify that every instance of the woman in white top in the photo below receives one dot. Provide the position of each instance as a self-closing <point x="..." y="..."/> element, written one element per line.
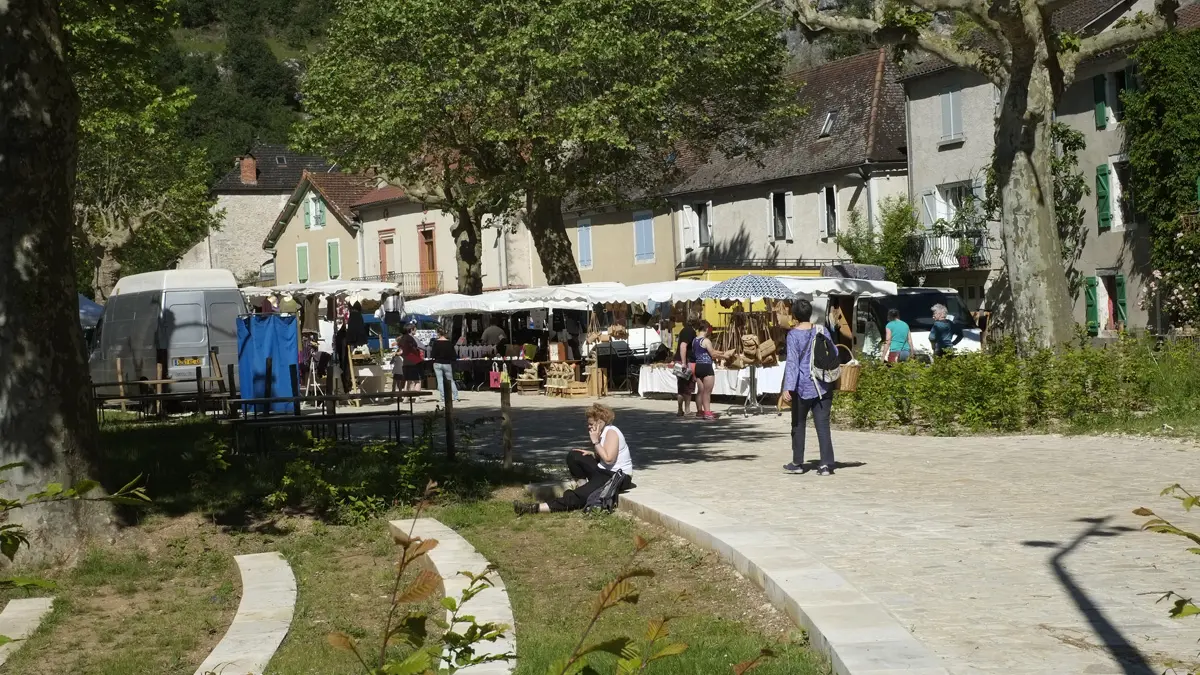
<point x="593" y="468"/>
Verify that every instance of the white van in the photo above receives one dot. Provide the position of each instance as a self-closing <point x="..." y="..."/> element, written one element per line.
<point x="175" y="317"/>
<point x="916" y="309"/>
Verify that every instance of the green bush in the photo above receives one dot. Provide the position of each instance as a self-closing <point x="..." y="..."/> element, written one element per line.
<point x="1006" y="389"/>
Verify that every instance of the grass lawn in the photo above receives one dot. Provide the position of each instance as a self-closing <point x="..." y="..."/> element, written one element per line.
<point x="555" y="565"/>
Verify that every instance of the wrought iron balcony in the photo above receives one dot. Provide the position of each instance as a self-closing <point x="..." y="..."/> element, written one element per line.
<point x="950" y="251"/>
<point x="412" y="284"/>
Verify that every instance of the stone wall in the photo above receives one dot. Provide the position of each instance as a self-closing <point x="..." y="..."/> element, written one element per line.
<point x="237" y="245"/>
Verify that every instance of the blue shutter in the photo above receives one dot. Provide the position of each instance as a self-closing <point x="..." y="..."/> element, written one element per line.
<point x="584" y="231"/>
<point x="644" y="238"/>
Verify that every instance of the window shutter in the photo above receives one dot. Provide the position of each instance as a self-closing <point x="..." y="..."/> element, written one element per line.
<point x="1093" y="309"/>
<point x="956" y="119"/>
<point x="947" y="116"/>
<point x="708" y="213"/>
<point x="585" y="244"/>
<point x="302" y="264"/>
<point x="979" y="192"/>
<point x="334" y="250"/>
<point x="928" y="208"/>
<point x="1103" y="203"/>
<point x="822" y="221"/>
<point x="689" y="231"/>
<point x="308" y="214"/>
<point x="1100" y="94"/>
<point x="787" y="210"/>
<point x="770" y="216"/>
<point x="1121" y="314"/>
<point x="321" y="211"/>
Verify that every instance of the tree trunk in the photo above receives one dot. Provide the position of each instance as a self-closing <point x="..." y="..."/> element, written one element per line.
<point x="46" y="415"/>
<point x="550" y="239"/>
<point x="468" y="244"/>
<point x="1041" y="311"/>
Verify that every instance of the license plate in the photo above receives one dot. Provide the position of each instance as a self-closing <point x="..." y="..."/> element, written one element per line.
<point x="188" y="361"/>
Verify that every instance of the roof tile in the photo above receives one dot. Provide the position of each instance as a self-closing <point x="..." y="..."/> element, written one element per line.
<point x="279" y="170"/>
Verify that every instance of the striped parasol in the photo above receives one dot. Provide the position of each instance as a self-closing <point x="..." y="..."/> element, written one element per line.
<point x="749" y="286"/>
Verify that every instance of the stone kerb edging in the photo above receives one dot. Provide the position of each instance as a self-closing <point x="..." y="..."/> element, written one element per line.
<point x="452" y="555"/>
<point x="19" y="620"/>
<point x="263" y="617"/>
<point x="857" y="634"/>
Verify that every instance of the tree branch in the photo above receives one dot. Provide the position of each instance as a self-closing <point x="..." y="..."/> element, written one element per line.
<point x="1127" y="34"/>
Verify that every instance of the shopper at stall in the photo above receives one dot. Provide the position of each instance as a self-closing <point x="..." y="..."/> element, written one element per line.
<point x="897" y="344"/>
<point x="444" y="356"/>
<point x="706" y="374"/>
<point x="493" y="335"/>
<point x="414" y="357"/>
<point x="687" y="358"/>
<point x="807" y="392"/>
<point x="608" y="454"/>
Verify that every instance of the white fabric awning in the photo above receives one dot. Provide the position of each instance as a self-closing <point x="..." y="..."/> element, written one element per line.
<point x="823" y="286"/>
<point x="679" y="290"/>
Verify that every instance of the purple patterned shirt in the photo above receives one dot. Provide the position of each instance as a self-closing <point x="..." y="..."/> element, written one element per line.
<point x="797" y="376"/>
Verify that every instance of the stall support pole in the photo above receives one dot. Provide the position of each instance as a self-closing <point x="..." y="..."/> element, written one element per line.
<point x="121" y="383"/>
<point x="158" y="372"/>
<point x="294" y="371"/>
<point x="506" y="423"/>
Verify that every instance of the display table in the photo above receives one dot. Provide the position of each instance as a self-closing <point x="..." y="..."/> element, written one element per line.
<point x="659" y="380"/>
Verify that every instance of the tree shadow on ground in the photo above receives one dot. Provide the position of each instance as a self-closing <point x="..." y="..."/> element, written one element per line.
<point x="1111" y="639"/>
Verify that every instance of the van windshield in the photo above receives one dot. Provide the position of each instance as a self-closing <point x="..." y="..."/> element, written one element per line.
<point x="915" y="308"/>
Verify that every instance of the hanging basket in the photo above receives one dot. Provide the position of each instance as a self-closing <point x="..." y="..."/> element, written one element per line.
<point x="849" y="379"/>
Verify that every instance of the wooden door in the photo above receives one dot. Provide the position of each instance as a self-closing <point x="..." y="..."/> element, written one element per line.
<point x="427" y="254"/>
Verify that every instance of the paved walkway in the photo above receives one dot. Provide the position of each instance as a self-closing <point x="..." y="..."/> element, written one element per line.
<point x="1015" y="555"/>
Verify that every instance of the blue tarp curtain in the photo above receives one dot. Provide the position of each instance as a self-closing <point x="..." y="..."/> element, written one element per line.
<point x="261" y="336"/>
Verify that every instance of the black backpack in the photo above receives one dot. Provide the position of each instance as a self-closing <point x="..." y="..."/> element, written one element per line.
<point x="824" y="362"/>
<point x="605" y="499"/>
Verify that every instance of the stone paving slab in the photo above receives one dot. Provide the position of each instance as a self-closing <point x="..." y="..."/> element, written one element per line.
<point x="263" y="617"/>
<point x="19" y="620"/>
<point x="1014" y="555"/>
<point x="452" y="555"/>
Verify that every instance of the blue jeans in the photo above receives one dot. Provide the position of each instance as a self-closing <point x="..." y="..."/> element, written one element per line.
<point x="819" y="407"/>
<point x="441" y="370"/>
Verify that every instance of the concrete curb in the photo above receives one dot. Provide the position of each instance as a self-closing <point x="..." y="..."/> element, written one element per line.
<point x="452" y="555"/>
<point x="263" y="617"/>
<point x="857" y="634"/>
<point x="19" y="620"/>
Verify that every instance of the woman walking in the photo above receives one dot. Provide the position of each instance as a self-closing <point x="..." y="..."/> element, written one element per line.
<point x="897" y="344"/>
<point x="807" y="392"/>
<point x="706" y="374"/>
<point x="944" y="334"/>
<point x="444" y="356"/>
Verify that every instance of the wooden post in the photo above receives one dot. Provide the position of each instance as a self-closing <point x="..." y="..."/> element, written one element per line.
<point x="200" y="390"/>
<point x="294" y="370"/>
<point x="448" y="399"/>
<point x="233" y="390"/>
<point x="268" y="392"/>
<point x="214" y="366"/>
<point x="121" y="383"/>
<point x="506" y="422"/>
<point x="158" y="375"/>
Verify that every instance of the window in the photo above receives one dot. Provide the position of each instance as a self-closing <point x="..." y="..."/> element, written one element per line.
<point x="1123" y="209"/>
<point x="1107" y="89"/>
<point x="333" y="251"/>
<point x="302" y="263"/>
<point x="997" y="100"/>
<point x="952" y="121"/>
<point x="827" y="127"/>
<point x="183" y="324"/>
<point x="827" y="212"/>
<point x="703" y="212"/>
<point x="779" y="214"/>
<point x="281" y="160"/>
<point x="954" y="198"/>
<point x="1104" y="296"/>
<point x="314" y="212"/>
<point x="643" y="237"/>
<point x="584" y="231"/>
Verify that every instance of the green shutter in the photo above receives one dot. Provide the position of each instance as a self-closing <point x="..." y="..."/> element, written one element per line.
<point x="1122" y="316"/>
<point x="1100" y="93"/>
<point x="307" y="213"/>
<point x="1198" y="189"/>
<point x="302" y="264"/>
<point x="1103" y="203"/>
<point x="1093" y="310"/>
<point x="334" y="250"/>
<point x="321" y="211"/>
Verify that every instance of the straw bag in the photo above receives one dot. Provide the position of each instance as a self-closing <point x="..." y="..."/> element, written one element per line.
<point x="766" y="349"/>
<point x="849" y="378"/>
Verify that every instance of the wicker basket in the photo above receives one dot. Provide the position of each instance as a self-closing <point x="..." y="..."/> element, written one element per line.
<point x="849" y="379"/>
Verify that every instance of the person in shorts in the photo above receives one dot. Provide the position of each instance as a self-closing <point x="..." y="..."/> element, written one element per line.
<point x="685" y="355"/>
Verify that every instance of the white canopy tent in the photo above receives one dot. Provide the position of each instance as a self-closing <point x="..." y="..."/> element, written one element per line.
<point x="589" y="293"/>
<point x="678" y="290"/>
<point x="822" y="286"/>
<point x="449" y="304"/>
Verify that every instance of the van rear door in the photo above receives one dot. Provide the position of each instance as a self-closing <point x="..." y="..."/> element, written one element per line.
<point x="183" y="333"/>
<point x="223" y="308"/>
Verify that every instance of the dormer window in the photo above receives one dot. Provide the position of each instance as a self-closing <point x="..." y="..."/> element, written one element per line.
<point x="827" y="127"/>
<point x="281" y="160"/>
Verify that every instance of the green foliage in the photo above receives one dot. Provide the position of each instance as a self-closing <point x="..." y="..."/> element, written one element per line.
<point x="141" y="196"/>
<point x="1161" y="122"/>
<point x="1181" y="606"/>
<point x="1070" y="188"/>
<point x="887" y="246"/>
<point x="1006" y="389"/>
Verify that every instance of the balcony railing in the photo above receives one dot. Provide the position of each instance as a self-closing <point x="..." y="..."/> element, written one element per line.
<point x="412" y="284"/>
<point x="955" y="251"/>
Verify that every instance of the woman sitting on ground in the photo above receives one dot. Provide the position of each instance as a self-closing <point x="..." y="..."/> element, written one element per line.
<point x="609" y="454"/>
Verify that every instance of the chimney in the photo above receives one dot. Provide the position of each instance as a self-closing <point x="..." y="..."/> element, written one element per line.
<point x="249" y="170"/>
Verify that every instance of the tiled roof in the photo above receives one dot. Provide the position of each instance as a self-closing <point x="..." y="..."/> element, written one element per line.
<point x="340" y="191"/>
<point x="382" y="195"/>
<point x="869" y="126"/>
<point x="279" y="170"/>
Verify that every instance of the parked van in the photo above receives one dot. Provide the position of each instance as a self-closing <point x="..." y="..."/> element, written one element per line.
<point x="915" y="306"/>
<point x="180" y="318"/>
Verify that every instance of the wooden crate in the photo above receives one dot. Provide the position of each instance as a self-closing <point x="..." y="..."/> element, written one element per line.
<point x="576" y="390"/>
